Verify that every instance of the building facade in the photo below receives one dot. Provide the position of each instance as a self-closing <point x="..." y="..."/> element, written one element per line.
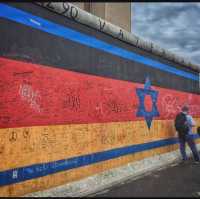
<point x="116" y="13"/>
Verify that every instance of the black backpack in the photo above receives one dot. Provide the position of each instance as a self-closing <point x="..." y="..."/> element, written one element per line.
<point x="180" y="125"/>
<point x="198" y="130"/>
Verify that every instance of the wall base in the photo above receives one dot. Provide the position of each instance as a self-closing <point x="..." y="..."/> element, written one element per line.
<point x="112" y="177"/>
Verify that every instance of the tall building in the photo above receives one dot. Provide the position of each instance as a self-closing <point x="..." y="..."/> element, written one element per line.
<point x="116" y="13"/>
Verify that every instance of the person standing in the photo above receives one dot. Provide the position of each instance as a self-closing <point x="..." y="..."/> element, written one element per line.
<point x="183" y="125"/>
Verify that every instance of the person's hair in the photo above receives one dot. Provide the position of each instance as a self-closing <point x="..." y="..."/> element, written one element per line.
<point x="185" y="109"/>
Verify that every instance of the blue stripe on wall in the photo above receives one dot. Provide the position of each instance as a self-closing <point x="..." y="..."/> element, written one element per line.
<point x="39" y="170"/>
<point x="28" y="19"/>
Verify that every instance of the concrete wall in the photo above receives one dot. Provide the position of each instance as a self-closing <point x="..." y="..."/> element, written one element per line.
<point x="76" y="102"/>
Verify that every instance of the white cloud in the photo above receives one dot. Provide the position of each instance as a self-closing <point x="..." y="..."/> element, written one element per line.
<point x="174" y="26"/>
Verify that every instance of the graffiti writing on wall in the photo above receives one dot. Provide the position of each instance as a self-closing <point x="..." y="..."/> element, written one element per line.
<point x="72" y="11"/>
<point x="72" y="99"/>
<point x="170" y="105"/>
<point x="29" y="95"/>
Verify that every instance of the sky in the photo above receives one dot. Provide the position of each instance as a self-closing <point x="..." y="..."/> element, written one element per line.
<point x="173" y="26"/>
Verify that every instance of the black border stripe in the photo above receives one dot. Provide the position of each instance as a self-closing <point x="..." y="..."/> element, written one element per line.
<point x="38" y="47"/>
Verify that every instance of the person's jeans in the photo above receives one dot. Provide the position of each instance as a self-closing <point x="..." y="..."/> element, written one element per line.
<point x="192" y="145"/>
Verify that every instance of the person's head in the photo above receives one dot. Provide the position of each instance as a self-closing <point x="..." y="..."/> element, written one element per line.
<point x="185" y="109"/>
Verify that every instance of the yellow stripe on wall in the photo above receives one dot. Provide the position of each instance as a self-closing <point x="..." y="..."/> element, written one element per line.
<point x="25" y="146"/>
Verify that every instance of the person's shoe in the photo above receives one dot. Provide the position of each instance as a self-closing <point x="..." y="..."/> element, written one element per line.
<point x="196" y="194"/>
<point x="183" y="162"/>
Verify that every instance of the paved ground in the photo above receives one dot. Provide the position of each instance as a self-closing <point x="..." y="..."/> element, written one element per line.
<point x="178" y="180"/>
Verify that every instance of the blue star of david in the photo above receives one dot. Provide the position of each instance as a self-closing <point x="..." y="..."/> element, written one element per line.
<point x="141" y="93"/>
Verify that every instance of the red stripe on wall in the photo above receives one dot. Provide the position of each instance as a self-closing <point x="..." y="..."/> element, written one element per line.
<point x="32" y="94"/>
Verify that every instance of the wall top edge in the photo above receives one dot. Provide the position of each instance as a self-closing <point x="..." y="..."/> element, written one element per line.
<point x="72" y="12"/>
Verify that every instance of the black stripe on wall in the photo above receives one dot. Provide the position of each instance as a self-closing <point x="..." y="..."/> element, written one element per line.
<point x="59" y="19"/>
<point x="39" y="47"/>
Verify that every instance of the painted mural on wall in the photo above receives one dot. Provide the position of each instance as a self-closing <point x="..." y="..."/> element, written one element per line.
<point x="71" y="100"/>
<point x="151" y="112"/>
<point x="55" y="96"/>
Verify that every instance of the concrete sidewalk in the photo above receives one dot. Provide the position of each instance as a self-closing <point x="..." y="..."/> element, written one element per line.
<point x="178" y="180"/>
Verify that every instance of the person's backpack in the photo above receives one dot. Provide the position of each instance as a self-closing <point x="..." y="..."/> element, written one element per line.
<point x="180" y="124"/>
<point x="198" y="130"/>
